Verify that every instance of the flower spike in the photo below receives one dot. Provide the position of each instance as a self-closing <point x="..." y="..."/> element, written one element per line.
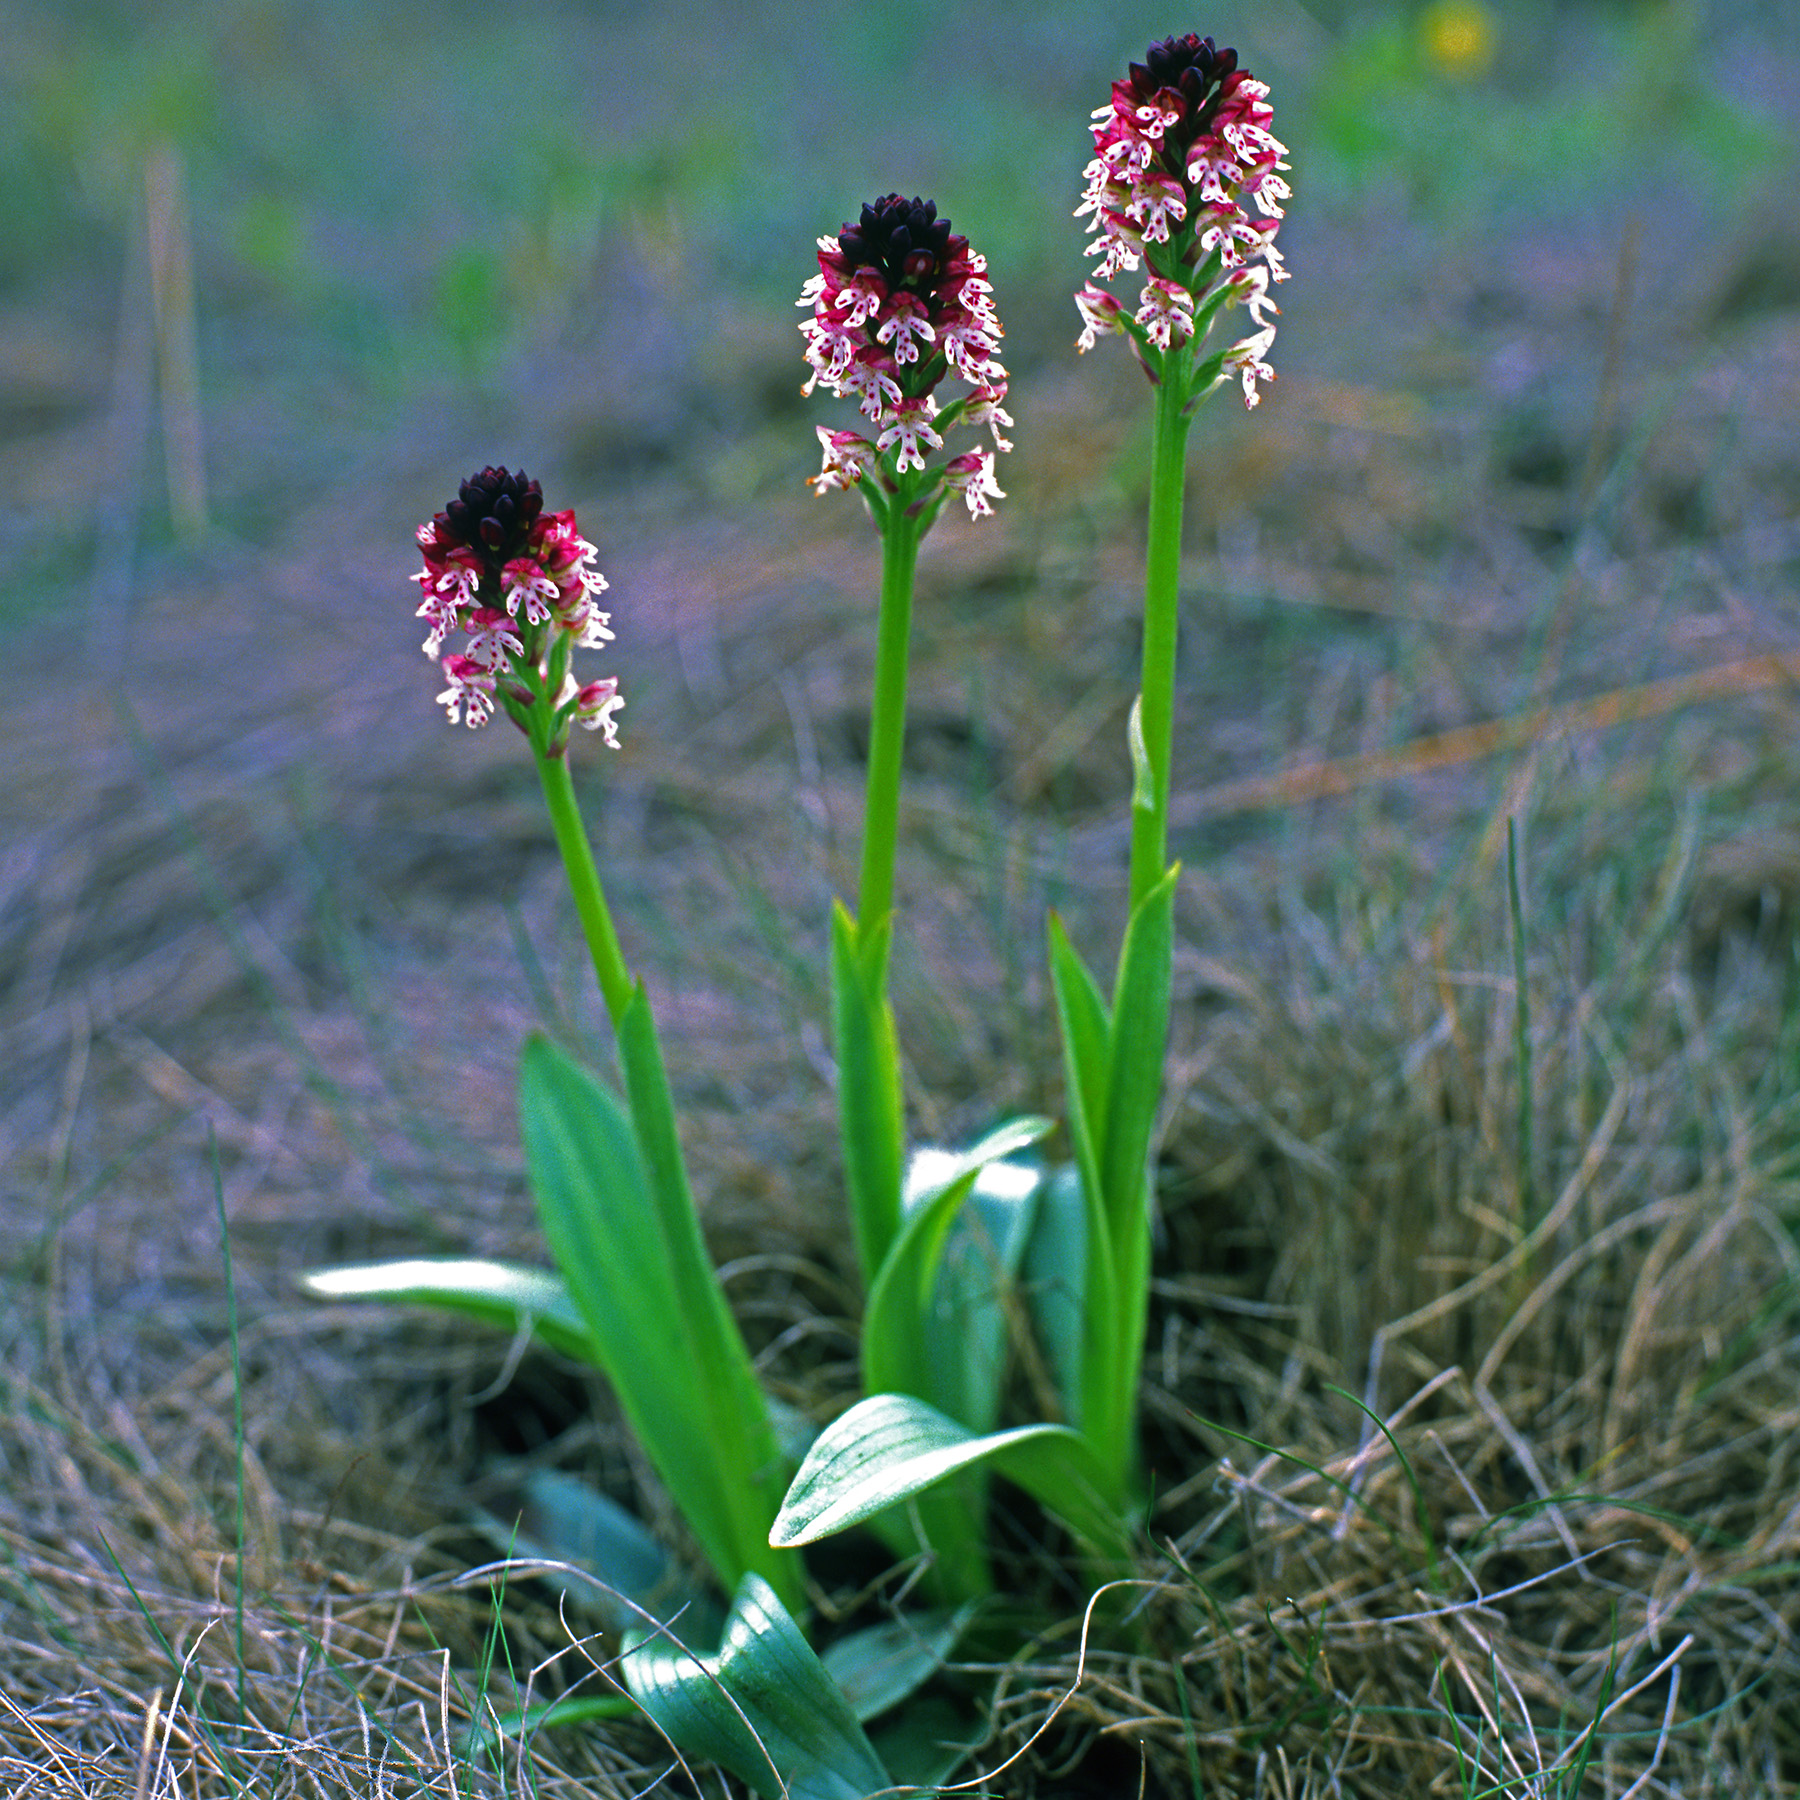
<point x="519" y="581"/>
<point x="1183" y="153"/>
<point x="900" y="301"/>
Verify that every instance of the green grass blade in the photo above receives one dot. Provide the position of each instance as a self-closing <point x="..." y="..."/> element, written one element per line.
<point x="569" y="1709"/>
<point x="237" y="1407"/>
<point x="762" y="1707"/>
<point x="227" y="1762"/>
<point x="1412" y="1481"/>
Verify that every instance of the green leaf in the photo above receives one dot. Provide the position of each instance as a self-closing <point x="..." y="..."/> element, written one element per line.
<point x="555" y="1517"/>
<point x="967" y="1329"/>
<point x="1054" y="1278"/>
<point x="794" y="1431"/>
<point x="1086" y="1032"/>
<point x="891" y="1446"/>
<point x="893" y="1338"/>
<point x="1136" y="1042"/>
<point x="1143" y="776"/>
<point x="936" y="1327"/>
<point x="704" y="1430"/>
<point x="763" y="1707"/>
<point x="967" y="1325"/>
<point x="502" y="1294"/>
<point x="932" y="1170"/>
<point x="871" y="1103"/>
<point x="897" y="1354"/>
<point x="880" y="1667"/>
<point x="924" y="1745"/>
<point x="724" y="1359"/>
<point x="1082" y="1014"/>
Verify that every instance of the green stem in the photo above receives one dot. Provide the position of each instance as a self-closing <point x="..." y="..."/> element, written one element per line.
<point x="1162" y="585"/>
<point x="584" y="881"/>
<point x="887" y="722"/>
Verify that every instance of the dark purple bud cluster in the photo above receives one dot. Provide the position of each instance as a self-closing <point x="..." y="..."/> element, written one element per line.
<point x="1193" y="67"/>
<point x="904" y="239"/>
<point x="492" y="514"/>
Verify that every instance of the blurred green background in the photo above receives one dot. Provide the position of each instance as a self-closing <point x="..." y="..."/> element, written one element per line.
<point x="582" y="227"/>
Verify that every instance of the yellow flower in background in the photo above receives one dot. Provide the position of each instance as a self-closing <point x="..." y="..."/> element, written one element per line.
<point x="1457" y="37"/>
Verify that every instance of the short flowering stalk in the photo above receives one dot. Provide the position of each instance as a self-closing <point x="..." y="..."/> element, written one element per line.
<point x="609" y="1181"/>
<point x="900" y="304"/>
<point x="519" y="581"/>
<point x="1185" y="188"/>
<point x="610" y="970"/>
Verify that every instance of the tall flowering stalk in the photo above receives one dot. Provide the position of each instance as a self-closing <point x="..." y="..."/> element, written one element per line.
<point x="900" y="305"/>
<point x="1186" y="189"/>
<point x="1183" y="153"/>
<point x="638" y="1294"/>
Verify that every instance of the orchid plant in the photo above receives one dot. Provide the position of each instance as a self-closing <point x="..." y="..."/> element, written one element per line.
<point x="1182" y="150"/>
<point x="952" y="1247"/>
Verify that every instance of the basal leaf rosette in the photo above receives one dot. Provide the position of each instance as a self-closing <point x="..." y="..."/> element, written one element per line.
<point x="901" y="302"/>
<point x="521" y="583"/>
<point x="1186" y="185"/>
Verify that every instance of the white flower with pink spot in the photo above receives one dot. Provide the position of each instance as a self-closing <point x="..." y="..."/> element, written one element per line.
<point x="592" y="706"/>
<point x="470" y="693"/>
<point x="984" y="408"/>
<point x="860" y="298"/>
<point x="1167" y="312"/>
<point x="491" y="637"/>
<point x="910" y="434"/>
<point x="904" y="326"/>
<point x="1157" y="204"/>
<point x="972" y="476"/>
<point x="848" y="458"/>
<point x="528" y="586"/>
<point x="1100" y="312"/>
<point x="1245" y="360"/>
